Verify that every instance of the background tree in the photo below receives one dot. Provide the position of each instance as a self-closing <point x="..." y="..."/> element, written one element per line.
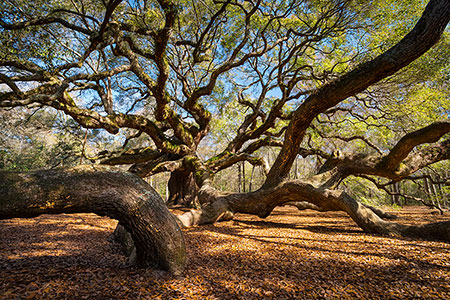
<point x="38" y="139"/>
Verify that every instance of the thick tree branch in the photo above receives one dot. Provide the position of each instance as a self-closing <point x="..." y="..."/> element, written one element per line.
<point x="44" y="21"/>
<point x="422" y="37"/>
<point x="429" y="134"/>
<point x="263" y="201"/>
<point x="107" y="192"/>
<point x="403" y="163"/>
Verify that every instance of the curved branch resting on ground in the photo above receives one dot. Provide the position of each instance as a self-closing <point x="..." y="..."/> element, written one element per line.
<point x="105" y="191"/>
<point x="263" y="201"/>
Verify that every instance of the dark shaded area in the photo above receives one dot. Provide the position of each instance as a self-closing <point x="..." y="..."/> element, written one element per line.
<point x="182" y="189"/>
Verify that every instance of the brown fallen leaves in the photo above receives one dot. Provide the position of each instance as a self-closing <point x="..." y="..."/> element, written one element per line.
<point x="289" y="255"/>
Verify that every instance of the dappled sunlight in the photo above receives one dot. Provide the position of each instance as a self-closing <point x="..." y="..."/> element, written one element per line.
<point x="51" y="236"/>
<point x="323" y="105"/>
<point x="289" y="255"/>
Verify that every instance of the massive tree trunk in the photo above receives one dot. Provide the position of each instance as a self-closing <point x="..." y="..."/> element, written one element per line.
<point x="182" y="189"/>
<point x="105" y="191"/>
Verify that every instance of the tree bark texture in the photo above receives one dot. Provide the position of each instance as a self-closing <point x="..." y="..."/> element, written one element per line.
<point x="105" y="191"/>
<point x="320" y="190"/>
<point x="263" y="201"/>
<point x="419" y="40"/>
<point x="182" y="189"/>
<point x="303" y="205"/>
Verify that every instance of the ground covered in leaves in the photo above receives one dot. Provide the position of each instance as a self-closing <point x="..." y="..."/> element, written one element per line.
<point x="289" y="255"/>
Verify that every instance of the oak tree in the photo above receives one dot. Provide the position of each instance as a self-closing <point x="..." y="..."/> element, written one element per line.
<point x="293" y="71"/>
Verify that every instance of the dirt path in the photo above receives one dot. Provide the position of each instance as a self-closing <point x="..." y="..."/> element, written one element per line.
<point x="290" y="255"/>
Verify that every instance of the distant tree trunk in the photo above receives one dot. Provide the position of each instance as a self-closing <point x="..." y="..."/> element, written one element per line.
<point x="251" y="179"/>
<point x="296" y="168"/>
<point x="105" y="191"/>
<point x="182" y="189"/>
<point x="426" y="187"/>
<point x="435" y="195"/>
<point x="395" y="198"/>
<point x="239" y="177"/>
<point x="150" y="181"/>
<point x="428" y="190"/>
<point x="445" y="194"/>
<point x="243" y="177"/>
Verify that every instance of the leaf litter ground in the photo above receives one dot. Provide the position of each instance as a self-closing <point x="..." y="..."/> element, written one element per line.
<point x="290" y="255"/>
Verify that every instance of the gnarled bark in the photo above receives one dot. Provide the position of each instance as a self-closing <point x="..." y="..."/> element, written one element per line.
<point x="182" y="189"/>
<point x="303" y="205"/>
<point x="419" y="40"/>
<point x="263" y="201"/>
<point x="320" y="190"/>
<point x="105" y="191"/>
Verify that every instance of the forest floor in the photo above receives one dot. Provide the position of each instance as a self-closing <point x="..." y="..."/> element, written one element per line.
<point x="290" y="255"/>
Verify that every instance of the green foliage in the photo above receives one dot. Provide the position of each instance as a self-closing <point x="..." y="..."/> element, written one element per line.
<point x="39" y="141"/>
<point x="308" y="44"/>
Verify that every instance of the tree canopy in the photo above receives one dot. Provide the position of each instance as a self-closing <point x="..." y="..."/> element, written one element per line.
<point x="347" y="82"/>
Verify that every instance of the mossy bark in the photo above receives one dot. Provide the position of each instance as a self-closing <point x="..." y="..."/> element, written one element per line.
<point x="105" y="191"/>
<point x="182" y="189"/>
